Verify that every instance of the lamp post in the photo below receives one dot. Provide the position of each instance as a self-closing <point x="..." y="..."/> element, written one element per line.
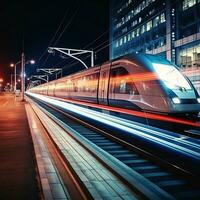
<point x="15" y="84"/>
<point x="22" y="61"/>
<point x="23" y="74"/>
<point x="15" y="68"/>
<point x="11" y="82"/>
<point x="1" y="81"/>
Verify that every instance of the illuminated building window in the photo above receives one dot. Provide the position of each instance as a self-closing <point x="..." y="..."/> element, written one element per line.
<point x="190" y="57"/>
<point x="162" y="18"/>
<point x="142" y="29"/>
<point x="125" y="39"/>
<point x="117" y="44"/>
<point x="129" y="37"/>
<point x="149" y="25"/>
<point x="134" y="23"/>
<point x="133" y="34"/>
<point x="188" y="3"/>
<point x="124" y="30"/>
<point x="121" y="41"/>
<point x="138" y="32"/>
<point x="156" y="21"/>
<point x="137" y="9"/>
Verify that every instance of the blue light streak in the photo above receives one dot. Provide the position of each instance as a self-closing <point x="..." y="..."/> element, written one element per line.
<point x="173" y="142"/>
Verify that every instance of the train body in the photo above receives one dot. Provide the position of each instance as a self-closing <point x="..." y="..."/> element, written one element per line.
<point x="136" y="81"/>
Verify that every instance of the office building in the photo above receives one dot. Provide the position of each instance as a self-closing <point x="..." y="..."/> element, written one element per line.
<point x="168" y="28"/>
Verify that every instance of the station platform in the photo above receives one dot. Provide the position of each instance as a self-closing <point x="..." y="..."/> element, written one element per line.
<point x="18" y="177"/>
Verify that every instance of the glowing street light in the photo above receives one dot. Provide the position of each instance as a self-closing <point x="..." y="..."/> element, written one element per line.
<point x="32" y="62"/>
<point x="1" y="80"/>
<point x="15" y="66"/>
<point x="23" y="63"/>
<point x="12" y="65"/>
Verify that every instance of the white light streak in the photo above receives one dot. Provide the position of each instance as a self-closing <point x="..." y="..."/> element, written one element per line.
<point x="169" y="141"/>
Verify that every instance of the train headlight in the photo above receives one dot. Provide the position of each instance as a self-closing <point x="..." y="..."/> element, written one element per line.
<point x="176" y="100"/>
<point x="198" y="100"/>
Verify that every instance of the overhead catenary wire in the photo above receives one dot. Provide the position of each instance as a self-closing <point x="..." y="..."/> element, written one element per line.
<point x="75" y="62"/>
<point x="57" y="40"/>
<point x="100" y="49"/>
<point x="101" y="44"/>
<point x="101" y="35"/>
<point x="55" y="34"/>
<point x="52" y="42"/>
<point x="66" y="26"/>
<point x="103" y="47"/>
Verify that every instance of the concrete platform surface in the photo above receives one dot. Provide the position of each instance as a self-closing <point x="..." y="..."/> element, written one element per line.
<point x="17" y="166"/>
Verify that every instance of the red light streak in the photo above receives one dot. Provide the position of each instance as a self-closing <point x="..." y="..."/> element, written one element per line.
<point x="132" y="112"/>
<point x="140" y="77"/>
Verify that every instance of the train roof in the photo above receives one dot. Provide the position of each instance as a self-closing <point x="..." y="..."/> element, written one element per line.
<point x="146" y="58"/>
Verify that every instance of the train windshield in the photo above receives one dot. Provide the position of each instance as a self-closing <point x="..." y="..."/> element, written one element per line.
<point x="171" y="77"/>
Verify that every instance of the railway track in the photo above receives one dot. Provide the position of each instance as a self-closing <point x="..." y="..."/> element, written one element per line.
<point x="159" y="175"/>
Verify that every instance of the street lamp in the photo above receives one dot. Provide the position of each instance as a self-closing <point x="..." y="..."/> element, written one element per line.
<point x="15" y="66"/>
<point x="32" y="62"/>
<point x="23" y="63"/>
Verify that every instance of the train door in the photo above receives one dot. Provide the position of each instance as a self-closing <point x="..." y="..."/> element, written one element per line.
<point x="104" y="84"/>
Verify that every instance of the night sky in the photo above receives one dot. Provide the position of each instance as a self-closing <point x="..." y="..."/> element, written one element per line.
<point x="31" y="26"/>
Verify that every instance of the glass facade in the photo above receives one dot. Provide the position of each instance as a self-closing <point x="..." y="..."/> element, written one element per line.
<point x="189" y="3"/>
<point x="156" y="21"/>
<point x="166" y="28"/>
<point x="189" y="56"/>
<point x="137" y="25"/>
<point x="189" y="61"/>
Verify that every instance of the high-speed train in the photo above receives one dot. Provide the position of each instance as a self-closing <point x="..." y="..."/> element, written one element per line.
<point x="136" y="81"/>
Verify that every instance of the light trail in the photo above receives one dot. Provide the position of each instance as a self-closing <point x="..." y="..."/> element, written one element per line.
<point x="131" y="112"/>
<point x="124" y="125"/>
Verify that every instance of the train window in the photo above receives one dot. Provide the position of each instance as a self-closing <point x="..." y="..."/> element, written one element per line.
<point x="60" y="86"/>
<point x="74" y="87"/>
<point x="121" y="82"/>
<point x="69" y="86"/>
<point x="88" y="83"/>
